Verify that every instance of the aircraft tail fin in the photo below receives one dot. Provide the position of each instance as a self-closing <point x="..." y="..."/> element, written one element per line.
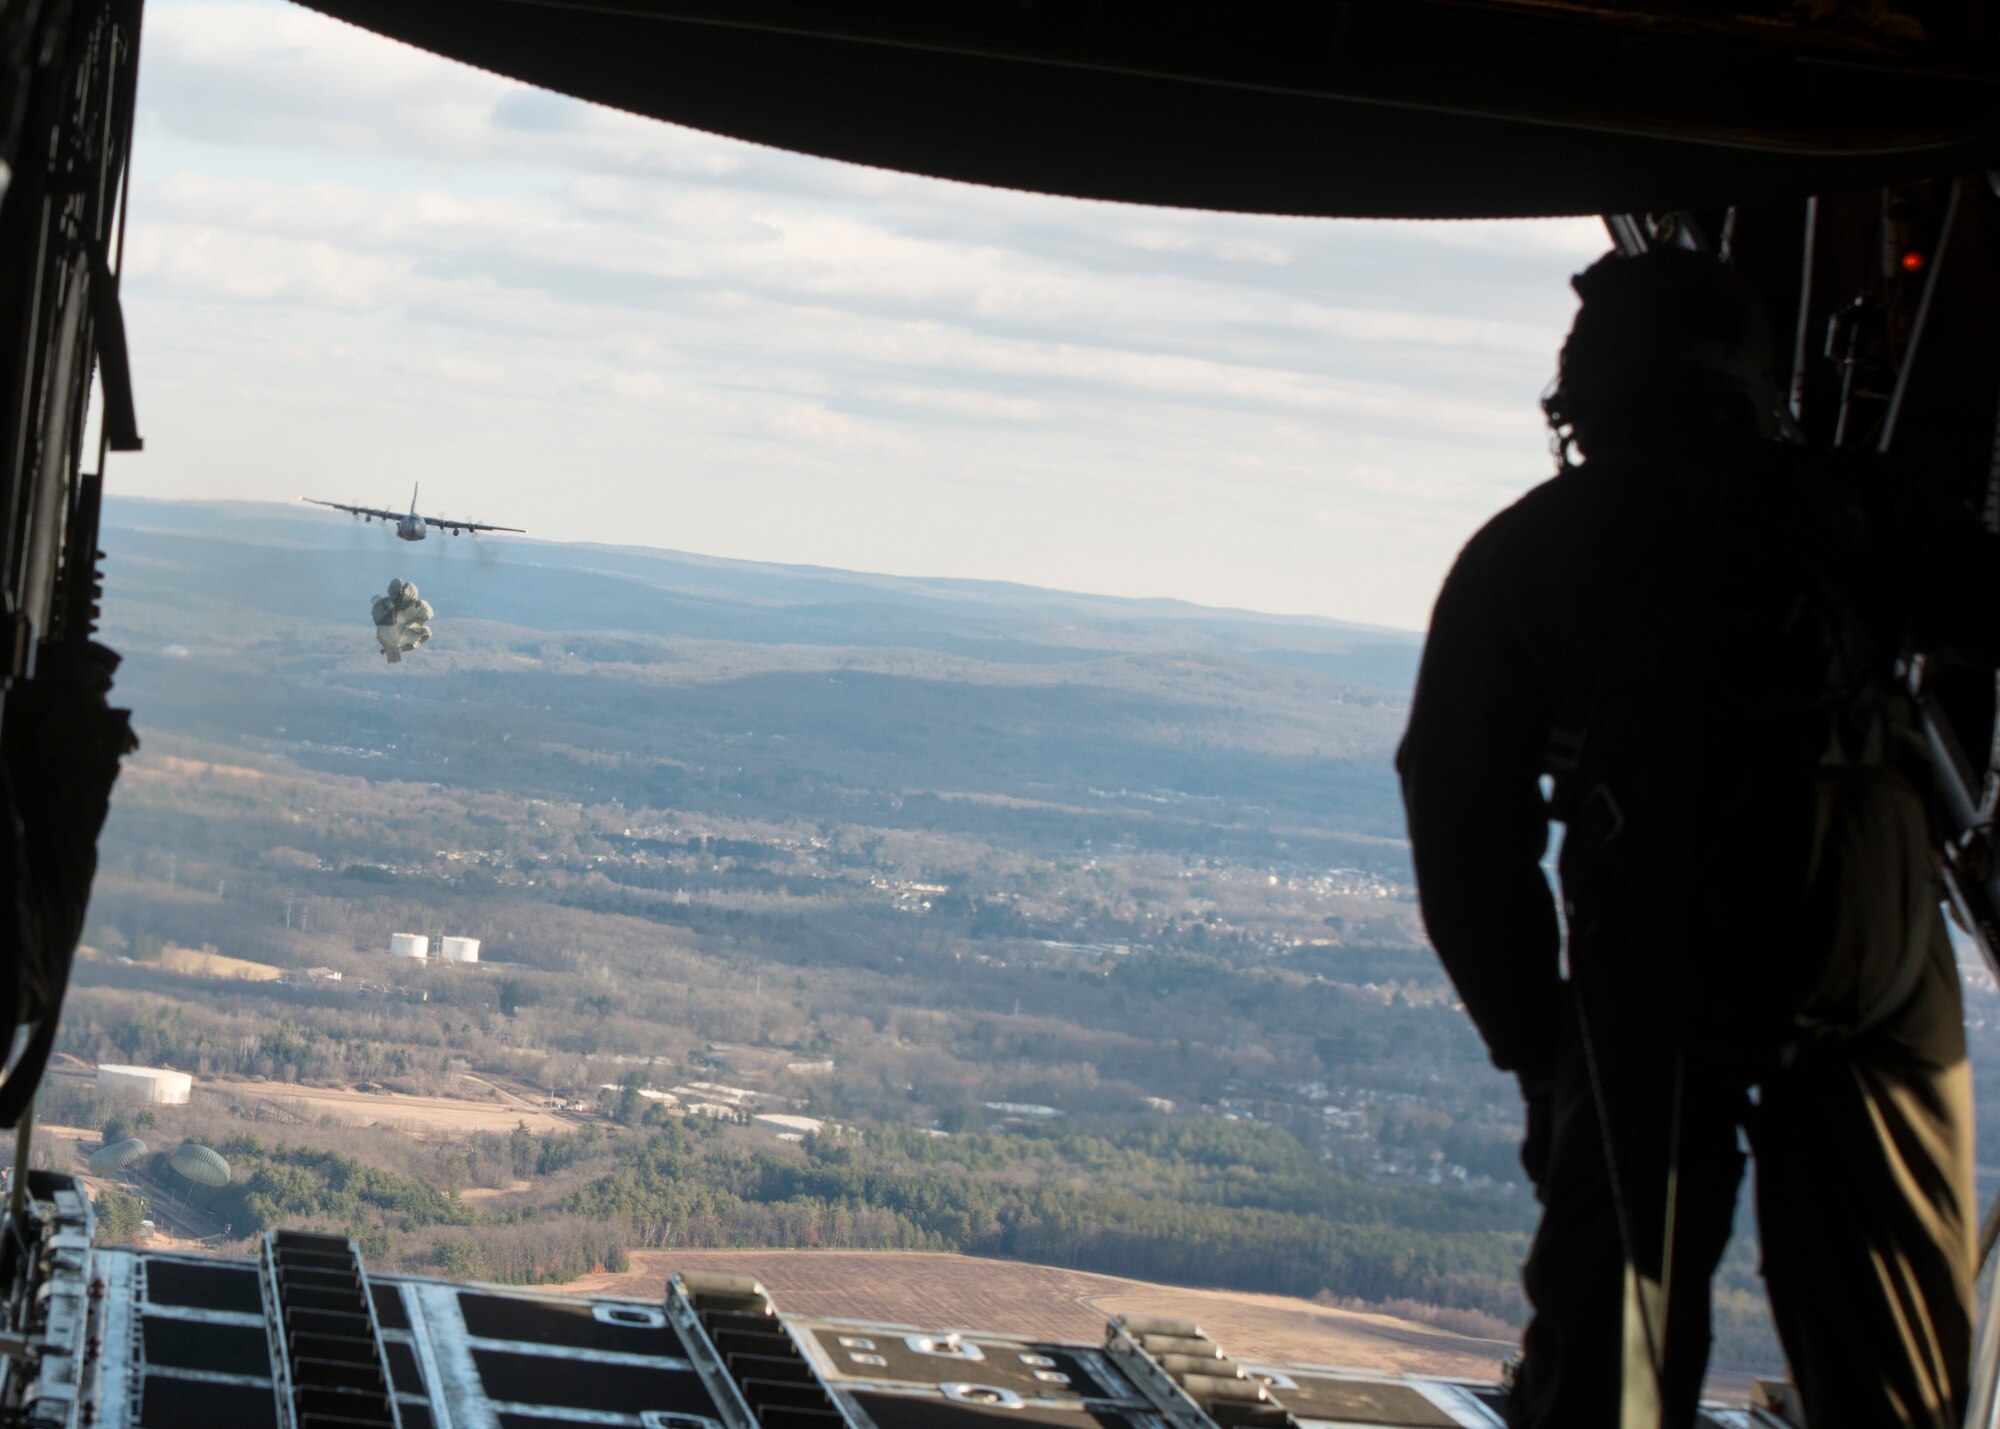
<point x="413" y="497"/>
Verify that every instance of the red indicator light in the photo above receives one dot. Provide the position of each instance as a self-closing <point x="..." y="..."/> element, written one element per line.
<point x="1913" y="262"/>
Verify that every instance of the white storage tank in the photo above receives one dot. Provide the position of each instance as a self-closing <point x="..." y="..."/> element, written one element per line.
<point x="459" y="950"/>
<point x="152" y="1084"/>
<point x="409" y="945"/>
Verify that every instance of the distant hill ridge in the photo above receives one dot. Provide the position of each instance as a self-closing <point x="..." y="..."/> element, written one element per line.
<point x="676" y="681"/>
<point x="551" y="585"/>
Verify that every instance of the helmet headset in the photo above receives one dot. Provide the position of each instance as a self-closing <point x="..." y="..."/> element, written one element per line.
<point x="1669" y="348"/>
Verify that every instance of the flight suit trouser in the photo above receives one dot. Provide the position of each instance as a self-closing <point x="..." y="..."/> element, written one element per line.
<point x="1869" y="1222"/>
<point x="1865" y="1209"/>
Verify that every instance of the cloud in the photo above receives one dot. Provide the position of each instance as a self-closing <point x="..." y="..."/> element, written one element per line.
<point x="469" y="369"/>
<point x="1329" y="518"/>
<point x="1157" y="238"/>
<point x="957" y="401"/>
<point x="536" y="111"/>
<point x="235" y="266"/>
<point x="345" y="247"/>
<point x="819" y="426"/>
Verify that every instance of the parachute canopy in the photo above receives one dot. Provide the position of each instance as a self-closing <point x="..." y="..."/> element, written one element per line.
<point x="200" y="1163"/>
<point x="402" y="621"/>
<point x="115" y="1156"/>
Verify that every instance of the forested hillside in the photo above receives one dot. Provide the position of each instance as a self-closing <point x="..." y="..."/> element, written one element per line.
<point x="1079" y="929"/>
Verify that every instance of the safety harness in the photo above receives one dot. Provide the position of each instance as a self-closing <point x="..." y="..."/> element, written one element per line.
<point x="1634" y="826"/>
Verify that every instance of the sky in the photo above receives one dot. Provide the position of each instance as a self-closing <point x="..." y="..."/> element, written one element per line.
<point x="353" y="266"/>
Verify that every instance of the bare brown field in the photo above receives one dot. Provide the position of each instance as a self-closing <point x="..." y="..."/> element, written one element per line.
<point x="199" y="962"/>
<point x="56" y="1132"/>
<point x="939" y="1291"/>
<point x="68" y="1147"/>
<point x="171" y="766"/>
<point x="396" y="1110"/>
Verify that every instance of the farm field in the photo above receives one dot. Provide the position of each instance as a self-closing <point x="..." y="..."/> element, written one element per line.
<point x="418" y="1115"/>
<point x="487" y="1107"/>
<point x="941" y="1291"/>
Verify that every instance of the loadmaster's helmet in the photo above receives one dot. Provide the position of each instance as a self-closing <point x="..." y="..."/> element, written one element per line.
<point x="1669" y="345"/>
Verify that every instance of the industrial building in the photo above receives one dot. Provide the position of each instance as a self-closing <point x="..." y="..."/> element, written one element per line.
<point x="788" y="1128"/>
<point x="156" y="1085"/>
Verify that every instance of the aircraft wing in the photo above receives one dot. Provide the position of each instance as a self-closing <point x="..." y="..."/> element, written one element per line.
<point x="356" y="510"/>
<point x="443" y="525"/>
<point x="1366" y="109"/>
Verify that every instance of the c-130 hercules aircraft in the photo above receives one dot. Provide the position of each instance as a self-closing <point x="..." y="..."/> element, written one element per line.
<point x="1839" y="154"/>
<point x="409" y="525"/>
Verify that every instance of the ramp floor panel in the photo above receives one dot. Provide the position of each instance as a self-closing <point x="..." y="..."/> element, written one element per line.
<point x="188" y="1344"/>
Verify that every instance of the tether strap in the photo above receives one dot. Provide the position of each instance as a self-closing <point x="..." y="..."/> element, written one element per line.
<point x="1642" y="1375"/>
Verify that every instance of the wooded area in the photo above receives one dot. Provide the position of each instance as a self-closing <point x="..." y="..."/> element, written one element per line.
<point x="1084" y="926"/>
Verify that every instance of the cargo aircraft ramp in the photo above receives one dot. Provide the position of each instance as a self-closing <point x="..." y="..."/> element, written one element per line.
<point x="306" y="1338"/>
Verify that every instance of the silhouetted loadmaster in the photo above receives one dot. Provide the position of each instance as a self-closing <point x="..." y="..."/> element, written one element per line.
<point x="1692" y="633"/>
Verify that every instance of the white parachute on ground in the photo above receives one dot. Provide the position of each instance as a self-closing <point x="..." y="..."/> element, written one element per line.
<point x="402" y="621"/>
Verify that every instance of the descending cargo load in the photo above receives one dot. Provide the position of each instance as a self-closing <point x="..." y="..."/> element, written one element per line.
<point x="402" y="620"/>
